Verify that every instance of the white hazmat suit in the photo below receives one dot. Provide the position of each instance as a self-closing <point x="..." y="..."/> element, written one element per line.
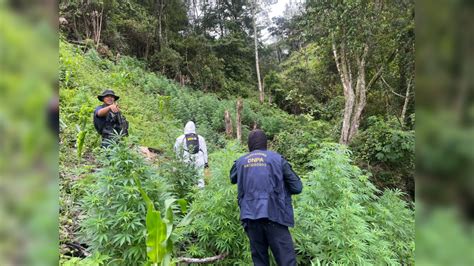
<point x="200" y="158"/>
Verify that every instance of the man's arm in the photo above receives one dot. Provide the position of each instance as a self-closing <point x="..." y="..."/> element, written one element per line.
<point x="292" y="180"/>
<point x="233" y="174"/>
<point x="102" y="112"/>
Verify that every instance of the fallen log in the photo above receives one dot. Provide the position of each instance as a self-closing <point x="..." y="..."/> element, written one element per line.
<point x="203" y="260"/>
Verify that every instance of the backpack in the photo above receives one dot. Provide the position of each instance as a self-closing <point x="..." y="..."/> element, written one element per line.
<point x="192" y="143"/>
<point x="99" y="125"/>
<point x="123" y="124"/>
<point x="113" y="121"/>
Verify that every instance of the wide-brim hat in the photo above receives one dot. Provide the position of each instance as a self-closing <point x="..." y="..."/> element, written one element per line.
<point x="107" y="93"/>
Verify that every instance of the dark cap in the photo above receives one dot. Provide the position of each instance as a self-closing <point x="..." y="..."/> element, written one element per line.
<point x="107" y="93"/>
<point x="257" y="140"/>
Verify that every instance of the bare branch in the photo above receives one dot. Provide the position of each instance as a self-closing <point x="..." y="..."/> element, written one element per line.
<point x="391" y="88"/>
<point x="203" y="260"/>
<point x="375" y="77"/>
<point x="380" y="71"/>
<point x="405" y="103"/>
<point x="239" y="120"/>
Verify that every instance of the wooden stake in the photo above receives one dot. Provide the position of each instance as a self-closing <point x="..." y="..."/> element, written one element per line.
<point x="228" y="124"/>
<point x="239" y="119"/>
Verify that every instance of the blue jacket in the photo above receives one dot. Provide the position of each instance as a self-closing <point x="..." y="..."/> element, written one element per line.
<point x="265" y="183"/>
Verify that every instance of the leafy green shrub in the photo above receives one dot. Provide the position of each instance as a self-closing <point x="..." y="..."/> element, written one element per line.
<point x="95" y="259"/>
<point x="300" y="143"/>
<point x="76" y="112"/>
<point x="181" y="178"/>
<point x="385" y="142"/>
<point x="388" y="152"/>
<point x="233" y="87"/>
<point x="216" y="227"/>
<point x="83" y="128"/>
<point x="393" y="219"/>
<point x="271" y="120"/>
<point x="114" y="222"/>
<point x="340" y="219"/>
<point x="333" y="109"/>
<point x="167" y="61"/>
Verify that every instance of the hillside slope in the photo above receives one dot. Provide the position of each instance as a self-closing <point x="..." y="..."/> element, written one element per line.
<point x="340" y="217"/>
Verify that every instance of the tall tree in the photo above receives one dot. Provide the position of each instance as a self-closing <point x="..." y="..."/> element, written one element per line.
<point x="160" y="10"/>
<point x="257" y="7"/>
<point x="361" y="35"/>
<point x="255" y="37"/>
<point x="86" y="17"/>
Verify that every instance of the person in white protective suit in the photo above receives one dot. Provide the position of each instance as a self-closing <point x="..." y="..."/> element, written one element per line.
<point x="191" y="148"/>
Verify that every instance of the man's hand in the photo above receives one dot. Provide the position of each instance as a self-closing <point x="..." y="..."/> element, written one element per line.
<point x="114" y="108"/>
<point x="110" y="108"/>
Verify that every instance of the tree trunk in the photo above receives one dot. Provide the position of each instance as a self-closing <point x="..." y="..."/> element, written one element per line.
<point x="219" y="18"/>
<point x="405" y="103"/>
<point x="160" y="27"/>
<point x="346" y="79"/>
<point x="355" y="101"/>
<point x="278" y="51"/>
<point x="86" y="27"/>
<point x="195" y="14"/>
<point x="260" y="88"/>
<point x="361" y="94"/>
<point x="165" y="32"/>
<point x="99" y="31"/>
<point x="147" y="48"/>
<point x="348" y="108"/>
<point x="228" y="124"/>
<point x="76" y="32"/>
<point x="239" y="120"/>
<point x="97" y="25"/>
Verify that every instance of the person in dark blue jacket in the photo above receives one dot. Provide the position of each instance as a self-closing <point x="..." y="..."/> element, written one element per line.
<point x="265" y="182"/>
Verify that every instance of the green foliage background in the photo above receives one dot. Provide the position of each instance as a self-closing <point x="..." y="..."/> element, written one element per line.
<point x="170" y="66"/>
<point x="340" y="217"/>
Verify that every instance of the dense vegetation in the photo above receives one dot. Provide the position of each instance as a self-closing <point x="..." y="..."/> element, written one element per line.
<point x="170" y="65"/>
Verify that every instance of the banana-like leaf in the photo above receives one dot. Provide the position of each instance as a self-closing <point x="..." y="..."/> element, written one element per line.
<point x="169" y="210"/>
<point x="156" y="234"/>
<point x="81" y="136"/>
<point x="156" y="229"/>
<point x="159" y="229"/>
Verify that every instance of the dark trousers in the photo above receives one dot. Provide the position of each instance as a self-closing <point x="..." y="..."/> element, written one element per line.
<point x="262" y="234"/>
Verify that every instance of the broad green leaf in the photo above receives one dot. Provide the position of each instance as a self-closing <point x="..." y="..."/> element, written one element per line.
<point x="156" y="235"/>
<point x="186" y="220"/>
<point x="183" y="204"/>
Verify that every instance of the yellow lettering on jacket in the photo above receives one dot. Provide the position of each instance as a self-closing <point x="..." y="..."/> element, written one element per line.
<point x="255" y="160"/>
